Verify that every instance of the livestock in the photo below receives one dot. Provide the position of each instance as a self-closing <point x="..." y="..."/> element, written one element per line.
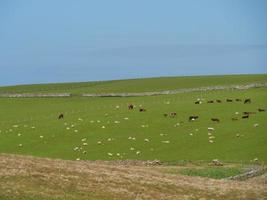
<point x="247" y="101"/>
<point x="229" y="100"/>
<point x="173" y="114"/>
<point x="238" y="100"/>
<point x="245" y="116"/>
<point x="261" y="110"/>
<point x="218" y="101"/>
<point x="197" y="102"/>
<point x="165" y="115"/>
<point x="130" y="106"/>
<point x="248" y="113"/>
<point x="210" y="101"/>
<point x="193" y="118"/>
<point x="142" y="110"/>
<point x="215" y="120"/>
<point x="61" y="116"/>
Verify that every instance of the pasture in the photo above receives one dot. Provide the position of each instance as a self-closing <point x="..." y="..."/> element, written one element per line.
<point x="104" y="128"/>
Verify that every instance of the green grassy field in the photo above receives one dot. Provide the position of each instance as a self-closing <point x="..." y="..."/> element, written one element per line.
<point x="137" y="85"/>
<point x="103" y="128"/>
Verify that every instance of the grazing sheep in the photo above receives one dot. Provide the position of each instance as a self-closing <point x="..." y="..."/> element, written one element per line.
<point x="146" y="140"/>
<point x="110" y="154"/>
<point x="210" y="129"/>
<point x="166" y="141"/>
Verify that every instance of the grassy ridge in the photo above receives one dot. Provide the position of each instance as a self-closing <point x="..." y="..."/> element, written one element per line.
<point x="137" y="85"/>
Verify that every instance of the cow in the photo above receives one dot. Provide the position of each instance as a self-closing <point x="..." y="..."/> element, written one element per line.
<point x="61" y="116"/>
<point x="173" y="114"/>
<point x="215" y="120"/>
<point x="130" y="106"/>
<point x="245" y="116"/>
<point x="248" y="113"/>
<point x="229" y="100"/>
<point x="218" y="101"/>
<point x="261" y="110"/>
<point x="247" y="101"/>
<point x="142" y="110"/>
<point x="197" y="102"/>
<point x="210" y="101"/>
<point x="238" y="100"/>
<point x="193" y="118"/>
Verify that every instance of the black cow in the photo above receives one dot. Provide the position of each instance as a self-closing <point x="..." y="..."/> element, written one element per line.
<point x="215" y="120"/>
<point x="247" y="101"/>
<point x="61" y="116"/>
<point x="261" y="110"/>
<point x="142" y="110"/>
<point x="245" y="117"/>
<point x="193" y="118"/>
<point x="229" y="100"/>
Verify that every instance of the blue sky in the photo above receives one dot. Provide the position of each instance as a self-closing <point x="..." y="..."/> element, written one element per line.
<point x="61" y="41"/>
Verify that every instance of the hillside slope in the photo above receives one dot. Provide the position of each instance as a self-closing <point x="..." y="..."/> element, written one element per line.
<point x="137" y="85"/>
<point x="31" y="178"/>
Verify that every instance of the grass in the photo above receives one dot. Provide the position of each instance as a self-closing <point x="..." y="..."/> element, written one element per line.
<point x="137" y="85"/>
<point x="24" y="120"/>
<point x="211" y="172"/>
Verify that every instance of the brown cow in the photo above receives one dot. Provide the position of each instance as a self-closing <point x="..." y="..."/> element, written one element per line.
<point x="238" y="100"/>
<point x="173" y="114"/>
<point x="130" y="106"/>
<point x="218" y="101"/>
<point x="215" y="120"/>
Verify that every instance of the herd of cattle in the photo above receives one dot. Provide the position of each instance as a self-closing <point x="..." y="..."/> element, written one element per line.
<point x="192" y="118"/>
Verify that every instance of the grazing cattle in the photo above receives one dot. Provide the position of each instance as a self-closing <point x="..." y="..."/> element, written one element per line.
<point x="218" y="101"/>
<point x="142" y="110"/>
<point x="61" y="116"/>
<point x="248" y="113"/>
<point x="173" y="114"/>
<point x="210" y="101"/>
<point x="131" y="106"/>
<point x="245" y="117"/>
<point x="193" y="118"/>
<point x="165" y="115"/>
<point x="197" y="102"/>
<point x="261" y="110"/>
<point x="238" y="100"/>
<point x="229" y="100"/>
<point x="215" y="120"/>
<point x="247" y="101"/>
<point x="234" y="119"/>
